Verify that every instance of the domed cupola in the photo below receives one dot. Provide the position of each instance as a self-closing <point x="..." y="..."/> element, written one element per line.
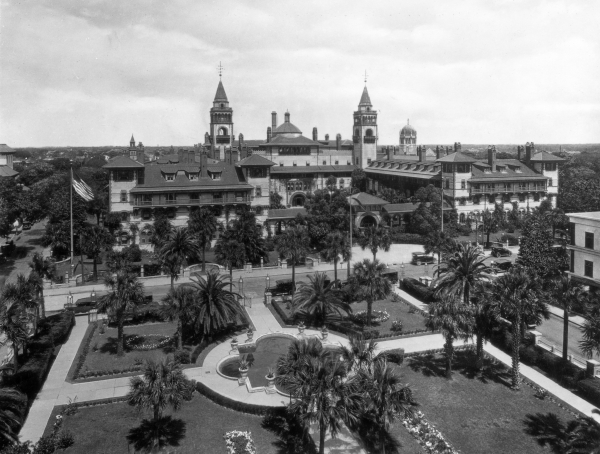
<point x="408" y="130"/>
<point x="287" y="129"/>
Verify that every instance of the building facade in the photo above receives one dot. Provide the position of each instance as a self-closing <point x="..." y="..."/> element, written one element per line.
<point x="584" y="248"/>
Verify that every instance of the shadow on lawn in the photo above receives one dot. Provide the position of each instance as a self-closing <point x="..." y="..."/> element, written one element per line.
<point x="110" y="346"/>
<point x="293" y="438"/>
<point x="549" y="430"/>
<point x="434" y="365"/>
<point x="152" y="435"/>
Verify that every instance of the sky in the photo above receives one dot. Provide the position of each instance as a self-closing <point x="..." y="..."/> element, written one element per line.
<point x="91" y="73"/>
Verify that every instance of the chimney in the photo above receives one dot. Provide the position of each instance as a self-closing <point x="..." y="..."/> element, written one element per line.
<point x="492" y="157"/>
<point x="315" y="134"/>
<point x="273" y="120"/>
<point x="338" y="142"/>
<point x="437" y="152"/>
<point x="180" y="154"/>
<point x="227" y="156"/>
<point x="528" y="152"/>
<point x="234" y="156"/>
<point x="197" y="151"/>
<point x="240" y="140"/>
<point x="326" y="136"/>
<point x="447" y="151"/>
<point x="287" y="117"/>
<point x="519" y="152"/>
<point x="243" y="153"/>
<point x="204" y="165"/>
<point x="389" y="153"/>
<point x="422" y="154"/>
<point x="268" y="134"/>
<point x="140" y="156"/>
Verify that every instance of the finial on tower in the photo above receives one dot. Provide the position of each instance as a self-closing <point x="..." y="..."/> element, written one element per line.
<point x="220" y="68"/>
<point x="408" y="121"/>
<point x="365" y="77"/>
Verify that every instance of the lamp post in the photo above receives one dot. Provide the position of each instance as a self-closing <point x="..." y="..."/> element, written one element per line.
<point x="93" y="295"/>
<point x="268" y="282"/>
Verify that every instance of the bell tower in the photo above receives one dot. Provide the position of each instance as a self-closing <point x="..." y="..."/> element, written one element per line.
<point x="364" y="133"/>
<point x="221" y="122"/>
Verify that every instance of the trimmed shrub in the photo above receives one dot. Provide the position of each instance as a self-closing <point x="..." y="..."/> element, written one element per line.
<point x="133" y="253"/>
<point x="407" y="238"/>
<point x="237" y="405"/>
<point x="590" y="389"/>
<point x="395" y="355"/>
<point x="414" y="288"/>
<point x="182" y="356"/>
<point x="31" y="375"/>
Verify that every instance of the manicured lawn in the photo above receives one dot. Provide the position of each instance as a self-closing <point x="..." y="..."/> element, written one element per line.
<point x="476" y="415"/>
<point x="103" y="428"/>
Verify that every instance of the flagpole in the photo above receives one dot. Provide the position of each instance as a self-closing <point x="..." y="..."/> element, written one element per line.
<point x="72" y="248"/>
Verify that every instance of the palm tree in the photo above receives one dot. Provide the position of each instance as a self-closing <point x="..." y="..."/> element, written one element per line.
<point x="361" y="353"/>
<point x="455" y="320"/>
<point x="318" y="299"/>
<point x="566" y="293"/>
<point x="203" y="225"/>
<point x="591" y="331"/>
<point x="134" y="229"/>
<point x="375" y="238"/>
<point x="485" y="320"/>
<point x="95" y="241"/>
<point x="336" y="245"/>
<point x="388" y="397"/>
<point x="230" y="253"/>
<point x="299" y="352"/>
<point x="373" y="284"/>
<point x="214" y="306"/>
<point x="41" y="268"/>
<point x="12" y="404"/>
<point x="293" y="244"/>
<point x="557" y="217"/>
<point x="14" y="324"/>
<point x="162" y="385"/>
<point x="176" y="306"/>
<point x="176" y="249"/>
<point x="325" y="395"/>
<point x="516" y="298"/>
<point x="126" y="293"/>
<point x="57" y="237"/>
<point x="21" y="292"/>
<point x="458" y="276"/>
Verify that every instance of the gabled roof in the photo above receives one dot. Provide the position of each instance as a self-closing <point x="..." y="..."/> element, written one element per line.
<point x="508" y="174"/>
<point x="6" y="171"/>
<point x="254" y="161"/>
<point x="220" y="96"/>
<point x="122" y="162"/>
<point x="250" y="143"/>
<point x="5" y="149"/>
<point x="365" y="100"/>
<point x="457" y="157"/>
<point x="281" y="140"/>
<point x="544" y="156"/>
<point x="313" y="169"/>
<point x="364" y="198"/>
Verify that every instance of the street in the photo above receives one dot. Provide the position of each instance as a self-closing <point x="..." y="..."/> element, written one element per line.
<point x="28" y="242"/>
<point x="552" y="330"/>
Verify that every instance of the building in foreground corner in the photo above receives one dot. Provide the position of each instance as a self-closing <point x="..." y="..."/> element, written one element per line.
<point x="584" y="248"/>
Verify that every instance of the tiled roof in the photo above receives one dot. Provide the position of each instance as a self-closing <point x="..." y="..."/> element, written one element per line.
<point x="281" y="140"/>
<point x="122" y="162"/>
<point x="5" y="149"/>
<point x="249" y="143"/>
<point x="220" y="96"/>
<point x="544" y="156"/>
<point x="254" y="160"/>
<point x="395" y="208"/>
<point x="6" y="171"/>
<point x="312" y="169"/>
<point x="365" y="100"/>
<point x="154" y="178"/>
<point x="457" y="157"/>
<point x="286" y="213"/>
<point x="410" y="168"/>
<point x="287" y="128"/>
<point x="367" y="199"/>
<point x="333" y="143"/>
<point x="510" y="173"/>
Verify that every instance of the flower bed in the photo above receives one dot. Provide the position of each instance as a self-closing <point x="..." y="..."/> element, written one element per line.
<point x="147" y="341"/>
<point x="427" y="435"/>
<point x="239" y="442"/>
<point x="376" y="316"/>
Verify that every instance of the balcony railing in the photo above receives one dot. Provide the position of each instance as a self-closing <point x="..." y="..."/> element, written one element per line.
<point x="369" y="139"/>
<point x="185" y="200"/>
<point x="223" y="139"/>
<point x="514" y="189"/>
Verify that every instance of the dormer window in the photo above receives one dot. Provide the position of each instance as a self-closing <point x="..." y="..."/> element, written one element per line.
<point x="307" y="163"/>
<point x="215" y="175"/>
<point x="487" y="170"/>
<point x="518" y="169"/>
<point x="193" y="176"/>
<point x="170" y="176"/>
<point x="295" y="163"/>
<point x="501" y="169"/>
<point x="280" y="163"/>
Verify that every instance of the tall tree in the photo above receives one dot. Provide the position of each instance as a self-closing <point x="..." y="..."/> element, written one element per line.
<point x="12" y="405"/>
<point x="566" y="293"/>
<point x="293" y="245"/>
<point x="126" y="292"/>
<point x="96" y="240"/>
<point x="14" y="324"/>
<point x="590" y="342"/>
<point x="214" y="306"/>
<point x="359" y="180"/>
<point x="516" y="297"/>
<point x="160" y="230"/>
<point x="489" y="223"/>
<point x="22" y="293"/>
<point x="361" y="353"/>
<point x="178" y="247"/>
<point x="247" y="231"/>
<point x="41" y="268"/>
<point x="374" y="239"/>
<point x="161" y="385"/>
<point x="338" y="245"/>
<point x="203" y="225"/>
<point x="134" y="230"/>
<point x="372" y="283"/>
<point x="318" y="299"/>
<point x="230" y="253"/>
<point x="177" y="305"/>
<point x="455" y="320"/>
<point x="58" y="237"/>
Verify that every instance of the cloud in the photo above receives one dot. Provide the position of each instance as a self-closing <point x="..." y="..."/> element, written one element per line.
<point x="90" y="73"/>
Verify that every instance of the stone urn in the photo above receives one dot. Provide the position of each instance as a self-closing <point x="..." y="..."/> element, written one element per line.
<point x="270" y="388"/>
<point x="250" y="334"/>
<point x="301" y="328"/>
<point x="234" y="345"/>
<point x="243" y="369"/>
<point x="324" y="333"/>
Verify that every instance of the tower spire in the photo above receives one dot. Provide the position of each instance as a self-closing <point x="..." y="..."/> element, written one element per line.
<point x="220" y="68"/>
<point x="365" y="77"/>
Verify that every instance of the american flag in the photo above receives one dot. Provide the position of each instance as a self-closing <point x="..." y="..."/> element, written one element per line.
<point x="82" y="188"/>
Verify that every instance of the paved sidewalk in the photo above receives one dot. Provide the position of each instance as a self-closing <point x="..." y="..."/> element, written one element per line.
<point x="575" y="319"/>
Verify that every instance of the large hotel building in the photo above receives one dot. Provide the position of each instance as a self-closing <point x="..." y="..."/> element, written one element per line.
<point x="225" y="173"/>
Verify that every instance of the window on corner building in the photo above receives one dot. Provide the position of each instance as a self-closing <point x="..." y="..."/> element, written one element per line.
<point x="463" y="184"/>
<point x="258" y="191"/>
<point x="589" y="240"/>
<point x="521" y="197"/>
<point x="550" y="166"/>
<point x="369" y="161"/>
<point x="448" y="184"/>
<point x="588" y="268"/>
<point x="170" y="176"/>
<point x="123" y="175"/>
<point x="550" y="182"/>
<point x="140" y="177"/>
<point x="337" y="162"/>
<point x="124" y="196"/>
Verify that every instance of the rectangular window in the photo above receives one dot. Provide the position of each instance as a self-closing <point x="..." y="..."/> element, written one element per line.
<point x="194" y="197"/>
<point x="123" y="175"/>
<point x="550" y="182"/>
<point x="588" y="268"/>
<point x="325" y="163"/>
<point x="171" y="198"/>
<point x="124" y="196"/>
<point x="337" y="162"/>
<point x="258" y="191"/>
<point x="572" y="261"/>
<point x="447" y="184"/>
<point x="589" y="240"/>
<point x="170" y="177"/>
<point x="193" y="176"/>
<point x="463" y="184"/>
<point x="217" y="196"/>
<point x="572" y="233"/>
<point x="140" y="177"/>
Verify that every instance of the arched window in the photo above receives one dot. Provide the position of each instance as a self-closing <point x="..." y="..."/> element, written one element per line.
<point x="357" y="132"/>
<point x="369" y="133"/>
<point x="222" y="131"/>
<point x="462" y="218"/>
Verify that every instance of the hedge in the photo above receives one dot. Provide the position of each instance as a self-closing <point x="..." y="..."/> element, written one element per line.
<point x="395" y="355"/>
<point x="590" y="389"/>
<point x="408" y="238"/>
<point x="414" y="288"/>
<point x="243" y="407"/>
<point x="286" y="319"/>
